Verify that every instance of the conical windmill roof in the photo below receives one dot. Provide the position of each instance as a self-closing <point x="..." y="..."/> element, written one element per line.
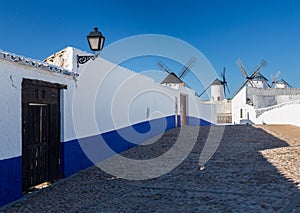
<point x="216" y="82"/>
<point x="259" y="77"/>
<point x="172" y="78"/>
<point x="281" y="81"/>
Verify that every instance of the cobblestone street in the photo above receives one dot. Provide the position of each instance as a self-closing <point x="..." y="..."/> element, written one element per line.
<point x="251" y="171"/>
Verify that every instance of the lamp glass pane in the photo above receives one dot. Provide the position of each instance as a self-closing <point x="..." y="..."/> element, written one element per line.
<point x="101" y="43"/>
<point x="94" y="43"/>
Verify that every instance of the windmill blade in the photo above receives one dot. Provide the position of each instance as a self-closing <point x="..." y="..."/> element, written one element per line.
<point x="224" y="88"/>
<point x="250" y="82"/>
<point x="227" y="88"/>
<point x="273" y="78"/>
<point x="277" y="74"/>
<point x="223" y="76"/>
<point x="198" y="95"/>
<point x="242" y="68"/>
<point x="242" y="86"/>
<point x="203" y="92"/>
<point x="261" y="65"/>
<point x="187" y="67"/>
<point x="163" y="67"/>
<point x="224" y="81"/>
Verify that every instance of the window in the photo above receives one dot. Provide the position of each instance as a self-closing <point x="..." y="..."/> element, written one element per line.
<point x="241" y="113"/>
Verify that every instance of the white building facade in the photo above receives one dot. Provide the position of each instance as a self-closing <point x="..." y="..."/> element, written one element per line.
<point x="73" y="117"/>
<point x="253" y="105"/>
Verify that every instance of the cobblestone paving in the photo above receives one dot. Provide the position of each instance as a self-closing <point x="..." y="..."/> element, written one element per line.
<point x="244" y="175"/>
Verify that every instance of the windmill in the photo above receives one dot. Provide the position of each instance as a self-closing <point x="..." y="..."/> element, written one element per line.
<point x="184" y="71"/>
<point x="163" y="67"/>
<point x="223" y="82"/>
<point x="186" y="68"/>
<point x="274" y="78"/>
<point x="255" y="72"/>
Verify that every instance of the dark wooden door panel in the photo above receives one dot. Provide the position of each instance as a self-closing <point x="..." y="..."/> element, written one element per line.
<point x="41" y="133"/>
<point x="37" y="137"/>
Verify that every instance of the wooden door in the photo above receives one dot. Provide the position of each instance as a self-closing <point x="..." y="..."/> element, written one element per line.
<point x="176" y="112"/>
<point x="41" y="132"/>
<point x="183" y="119"/>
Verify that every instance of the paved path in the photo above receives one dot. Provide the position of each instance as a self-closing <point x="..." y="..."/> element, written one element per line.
<point x="289" y="133"/>
<point x="244" y="175"/>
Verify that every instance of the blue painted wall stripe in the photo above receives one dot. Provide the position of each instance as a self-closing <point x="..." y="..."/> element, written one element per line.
<point x="73" y="153"/>
<point x="10" y="180"/>
<point x="192" y="121"/>
<point x="74" y="159"/>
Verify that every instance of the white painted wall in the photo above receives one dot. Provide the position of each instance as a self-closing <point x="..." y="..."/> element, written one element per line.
<point x="281" y="86"/>
<point x="104" y="97"/>
<point x="217" y="91"/>
<point x="11" y="76"/>
<point x="238" y="103"/>
<point x="286" y="98"/>
<point x="288" y="114"/>
<point x="119" y="99"/>
<point x="259" y="84"/>
<point x="123" y="97"/>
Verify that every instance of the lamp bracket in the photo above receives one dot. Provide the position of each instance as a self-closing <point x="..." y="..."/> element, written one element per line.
<point x="82" y="59"/>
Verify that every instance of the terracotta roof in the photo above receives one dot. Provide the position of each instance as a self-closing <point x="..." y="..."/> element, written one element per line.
<point x="172" y="78"/>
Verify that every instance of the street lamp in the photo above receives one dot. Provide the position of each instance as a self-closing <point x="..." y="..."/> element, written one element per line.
<point x="96" y="43"/>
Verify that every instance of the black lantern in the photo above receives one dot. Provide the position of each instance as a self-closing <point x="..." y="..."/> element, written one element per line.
<point x="96" y="43"/>
<point x="96" y="40"/>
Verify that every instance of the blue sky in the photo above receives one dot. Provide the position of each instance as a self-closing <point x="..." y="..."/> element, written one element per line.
<point x="222" y="30"/>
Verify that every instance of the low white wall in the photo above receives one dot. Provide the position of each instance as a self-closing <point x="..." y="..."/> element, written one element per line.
<point x="286" y="98"/>
<point x="288" y="114"/>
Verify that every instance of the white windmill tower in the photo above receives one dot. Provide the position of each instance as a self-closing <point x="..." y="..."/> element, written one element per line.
<point x="280" y="84"/>
<point x="217" y="88"/>
<point x="173" y="80"/>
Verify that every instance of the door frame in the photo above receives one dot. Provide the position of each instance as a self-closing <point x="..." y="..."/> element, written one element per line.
<point x="40" y="93"/>
<point x="183" y="109"/>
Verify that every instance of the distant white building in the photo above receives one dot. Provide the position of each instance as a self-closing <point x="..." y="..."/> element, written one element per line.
<point x="217" y="90"/>
<point x="173" y="81"/>
<point x="281" y="84"/>
<point x="259" y="81"/>
<point x="223" y="106"/>
<point x="256" y="103"/>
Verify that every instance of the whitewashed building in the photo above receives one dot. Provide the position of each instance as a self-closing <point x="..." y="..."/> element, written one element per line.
<point x="282" y="84"/>
<point x="257" y="103"/>
<point x="223" y="105"/>
<point x="53" y="113"/>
